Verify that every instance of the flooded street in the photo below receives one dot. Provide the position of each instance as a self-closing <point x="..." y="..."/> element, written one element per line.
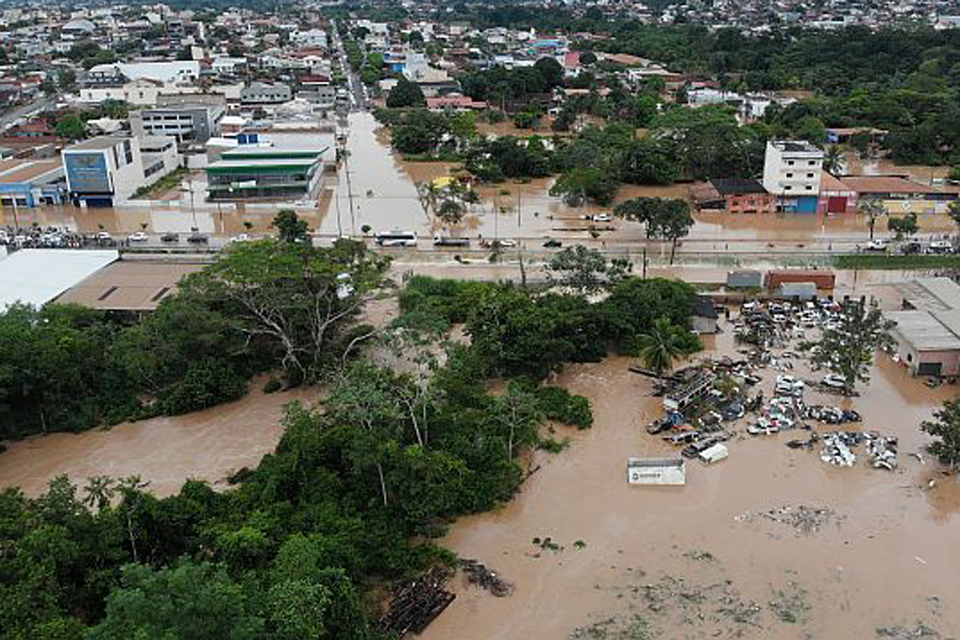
<point x="889" y="559"/>
<point x="207" y="445"/>
<point x="376" y="188"/>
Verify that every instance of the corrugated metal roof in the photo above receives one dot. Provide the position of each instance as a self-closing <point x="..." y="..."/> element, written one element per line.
<point x="924" y="331"/>
<point x="930" y="294"/>
<point x="37" y="276"/>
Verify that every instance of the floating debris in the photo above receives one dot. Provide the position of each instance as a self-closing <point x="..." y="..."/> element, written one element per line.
<point x="477" y="573"/>
<point x="805" y="520"/>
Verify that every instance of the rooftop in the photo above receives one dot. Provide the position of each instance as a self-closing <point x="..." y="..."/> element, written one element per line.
<point x="737" y="186"/>
<point x="796" y="146"/>
<point x="28" y="170"/>
<point x="96" y="144"/>
<point x="36" y="276"/>
<point x="886" y="184"/>
<point x="924" y="331"/>
<point x="930" y="294"/>
<point x="129" y="286"/>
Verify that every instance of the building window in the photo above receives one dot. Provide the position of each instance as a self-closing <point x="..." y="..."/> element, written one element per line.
<point x="809" y="175"/>
<point x="789" y="175"/>
<point x="790" y="162"/>
<point x="809" y="187"/>
<point x="812" y="162"/>
<point x="788" y="187"/>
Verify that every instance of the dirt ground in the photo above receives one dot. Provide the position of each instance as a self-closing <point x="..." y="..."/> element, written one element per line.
<point x="718" y="557"/>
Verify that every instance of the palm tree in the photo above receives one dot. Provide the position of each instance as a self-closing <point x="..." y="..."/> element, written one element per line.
<point x="833" y="160"/>
<point x="100" y="490"/>
<point x="873" y="209"/>
<point x="661" y="346"/>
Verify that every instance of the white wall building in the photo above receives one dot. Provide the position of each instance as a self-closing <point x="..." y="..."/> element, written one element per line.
<point x="107" y="170"/>
<point x="791" y="169"/>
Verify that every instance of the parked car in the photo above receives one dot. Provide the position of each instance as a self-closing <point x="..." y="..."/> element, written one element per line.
<point x="198" y="238"/>
<point x="104" y="236"/>
<point x="941" y="246"/>
<point x="241" y="237"/>
<point x="170" y="236"/>
<point x="834" y="380"/>
<point x="789" y="386"/>
<point x="911" y="247"/>
<point x="877" y="245"/>
<point x="601" y="217"/>
<point x="552" y="244"/>
<point x="138" y="236"/>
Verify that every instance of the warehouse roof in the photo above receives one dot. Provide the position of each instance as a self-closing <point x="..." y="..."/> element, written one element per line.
<point x="925" y="331"/>
<point x="930" y="294"/>
<point x="37" y="276"/>
<point x="129" y="286"/>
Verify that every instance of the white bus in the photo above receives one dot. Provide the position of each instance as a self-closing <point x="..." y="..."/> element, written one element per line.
<point x="396" y="238"/>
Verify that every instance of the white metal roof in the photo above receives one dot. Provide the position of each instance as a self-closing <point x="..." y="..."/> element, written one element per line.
<point x="37" y="276"/>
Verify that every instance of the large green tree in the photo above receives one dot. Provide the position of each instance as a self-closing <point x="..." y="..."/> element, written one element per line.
<point x="405" y="94"/>
<point x="847" y="349"/>
<point x="945" y="428"/>
<point x="188" y="602"/>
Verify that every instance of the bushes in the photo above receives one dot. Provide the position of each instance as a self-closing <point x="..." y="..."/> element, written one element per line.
<point x="449" y="299"/>
<point x="206" y="383"/>
<point x="559" y="404"/>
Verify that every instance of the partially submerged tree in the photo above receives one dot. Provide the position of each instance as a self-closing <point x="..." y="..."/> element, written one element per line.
<point x="847" y="350"/>
<point x="903" y="227"/>
<point x="666" y="219"/>
<point x="873" y="209"/>
<point x="585" y="270"/>
<point x="945" y="427"/>
<point x="290" y="226"/>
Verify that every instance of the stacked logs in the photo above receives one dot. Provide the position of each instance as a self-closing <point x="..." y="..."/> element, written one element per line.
<point x="417" y="602"/>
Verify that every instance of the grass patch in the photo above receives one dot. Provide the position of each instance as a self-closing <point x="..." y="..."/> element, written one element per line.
<point x="881" y="261"/>
<point x="165" y="183"/>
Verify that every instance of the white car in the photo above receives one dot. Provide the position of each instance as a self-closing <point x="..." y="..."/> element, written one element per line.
<point x="877" y="245"/>
<point x="834" y="380"/>
<point x="789" y="386"/>
<point x="104" y="235"/>
<point x="241" y="237"/>
<point x="139" y="236"/>
<point x="602" y="217"/>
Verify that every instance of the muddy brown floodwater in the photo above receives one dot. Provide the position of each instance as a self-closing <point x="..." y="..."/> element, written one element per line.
<point x="207" y="445"/>
<point x="686" y="562"/>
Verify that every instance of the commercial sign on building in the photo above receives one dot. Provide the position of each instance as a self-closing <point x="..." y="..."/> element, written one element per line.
<point x="87" y="172"/>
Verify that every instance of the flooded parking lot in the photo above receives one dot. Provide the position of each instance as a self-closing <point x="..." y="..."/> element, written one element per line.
<point x="701" y="560"/>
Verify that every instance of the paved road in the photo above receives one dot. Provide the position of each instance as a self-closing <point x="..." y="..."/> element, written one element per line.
<point x="35" y="106"/>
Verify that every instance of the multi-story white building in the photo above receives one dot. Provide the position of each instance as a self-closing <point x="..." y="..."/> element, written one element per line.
<point x="791" y="171"/>
<point x="108" y="170"/>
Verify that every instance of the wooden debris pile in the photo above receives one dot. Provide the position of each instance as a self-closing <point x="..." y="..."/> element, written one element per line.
<point x="417" y="602"/>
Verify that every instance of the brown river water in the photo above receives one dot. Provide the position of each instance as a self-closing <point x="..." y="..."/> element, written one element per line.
<point x="205" y="445"/>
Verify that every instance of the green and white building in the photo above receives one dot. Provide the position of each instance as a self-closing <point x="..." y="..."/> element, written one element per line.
<point x="269" y="168"/>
